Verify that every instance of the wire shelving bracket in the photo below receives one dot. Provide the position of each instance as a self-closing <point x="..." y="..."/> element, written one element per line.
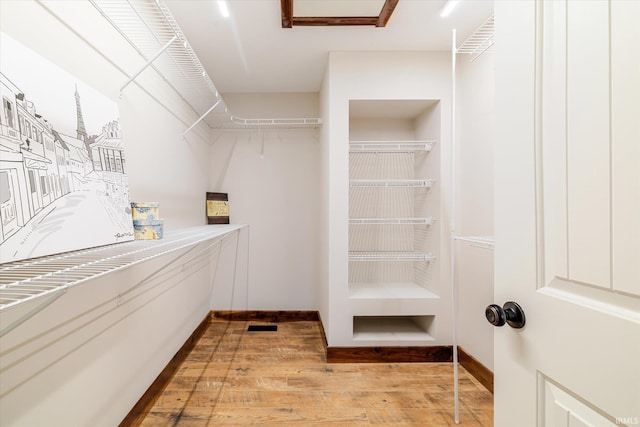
<point x="148" y="26"/>
<point x="149" y="62"/>
<point x="480" y="41"/>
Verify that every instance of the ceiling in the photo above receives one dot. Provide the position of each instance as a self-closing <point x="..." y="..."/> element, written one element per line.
<point x="250" y="51"/>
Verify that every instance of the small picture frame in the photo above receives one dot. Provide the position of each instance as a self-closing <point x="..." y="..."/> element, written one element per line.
<point x="217" y="208"/>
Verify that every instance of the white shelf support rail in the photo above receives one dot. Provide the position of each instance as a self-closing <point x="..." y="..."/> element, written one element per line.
<point x="149" y="62"/>
<point x="201" y="118"/>
<point x="476" y="44"/>
<point x="53" y="276"/>
<point x="37" y="309"/>
<point x="175" y="260"/>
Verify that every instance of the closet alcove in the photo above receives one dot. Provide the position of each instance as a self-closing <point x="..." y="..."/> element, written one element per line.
<point x="393" y="205"/>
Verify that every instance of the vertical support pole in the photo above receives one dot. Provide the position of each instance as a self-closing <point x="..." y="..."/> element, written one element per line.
<point x="452" y="225"/>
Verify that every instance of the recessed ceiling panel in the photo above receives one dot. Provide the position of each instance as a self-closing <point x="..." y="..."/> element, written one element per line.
<point x="336" y="12"/>
<point x="310" y="8"/>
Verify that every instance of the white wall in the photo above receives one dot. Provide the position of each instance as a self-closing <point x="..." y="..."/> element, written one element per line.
<point x="323" y="290"/>
<point x="374" y="75"/>
<point x="475" y="124"/>
<point x="161" y="166"/>
<point x="84" y="360"/>
<point x="273" y="181"/>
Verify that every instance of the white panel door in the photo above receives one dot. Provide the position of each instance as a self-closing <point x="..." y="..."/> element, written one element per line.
<point x="568" y="212"/>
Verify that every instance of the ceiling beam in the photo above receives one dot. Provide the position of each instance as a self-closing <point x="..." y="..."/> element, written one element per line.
<point x="334" y="20"/>
<point x="289" y="21"/>
<point x="287" y="13"/>
<point x="385" y="13"/>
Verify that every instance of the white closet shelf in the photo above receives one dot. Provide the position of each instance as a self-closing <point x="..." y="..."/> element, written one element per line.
<point x="481" y="240"/>
<point x="236" y="122"/>
<point x="390" y="256"/>
<point x="389" y="290"/>
<point x="150" y="28"/>
<point x="23" y="281"/>
<point x="392" y="328"/>
<point x="392" y="183"/>
<point x="392" y="221"/>
<point x="390" y="146"/>
<point x="480" y="41"/>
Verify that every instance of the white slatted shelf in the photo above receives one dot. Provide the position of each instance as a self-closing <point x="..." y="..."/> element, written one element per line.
<point x="488" y="241"/>
<point x="390" y="256"/>
<point x="392" y="221"/>
<point x="386" y="290"/>
<point x="26" y="280"/>
<point x="390" y="146"/>
<point x="148" y="25"/>
<point x="392" y="183"/>
<point x="480" y="41"/>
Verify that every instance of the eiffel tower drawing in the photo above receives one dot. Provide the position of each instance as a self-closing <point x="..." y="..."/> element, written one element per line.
<point x="81" y="132"/>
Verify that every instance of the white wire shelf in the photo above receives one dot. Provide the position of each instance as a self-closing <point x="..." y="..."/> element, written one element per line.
<point x="390" y="256"/>
<point x="392" y="183"/>
<point x="390" y="146"/>
<point x="488" y="241"/>
<point x="480" y="41"/>
<point x="392" y="221"/>
<point x="235" y="122"/>
<point x="150" y="28"/>
<point x="26" y="280"/>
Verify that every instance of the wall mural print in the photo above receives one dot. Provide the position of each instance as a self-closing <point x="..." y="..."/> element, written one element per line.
<point x="63" y="183"/>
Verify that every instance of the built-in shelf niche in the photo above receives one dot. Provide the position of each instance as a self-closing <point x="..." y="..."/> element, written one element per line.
<point x="393" y="198"/>
<point x="393" y="328"/>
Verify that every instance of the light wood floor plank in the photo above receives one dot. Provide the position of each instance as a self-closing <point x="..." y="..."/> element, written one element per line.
<point x="237" y="378"/>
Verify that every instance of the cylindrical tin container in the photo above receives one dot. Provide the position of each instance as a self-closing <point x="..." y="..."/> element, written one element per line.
<point x="145" y="210"/>
<point x="147" y="229"/>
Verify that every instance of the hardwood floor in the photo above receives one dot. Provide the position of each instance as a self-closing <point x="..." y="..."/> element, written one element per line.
<point x="233" y="377"/>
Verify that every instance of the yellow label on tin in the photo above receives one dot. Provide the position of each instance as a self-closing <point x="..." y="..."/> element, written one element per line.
<point x="217" y="208"/>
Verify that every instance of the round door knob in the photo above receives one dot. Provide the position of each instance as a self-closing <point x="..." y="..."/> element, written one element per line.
<point x="495" y="315"/>
<point x="510" y="313"/>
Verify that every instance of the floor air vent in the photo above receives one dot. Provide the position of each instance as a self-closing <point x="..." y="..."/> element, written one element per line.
<point x="262" y="328"/>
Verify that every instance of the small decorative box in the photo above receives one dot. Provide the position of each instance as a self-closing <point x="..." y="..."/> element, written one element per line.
<point x="145" y="210"/>
<point x="147" y="229"/>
